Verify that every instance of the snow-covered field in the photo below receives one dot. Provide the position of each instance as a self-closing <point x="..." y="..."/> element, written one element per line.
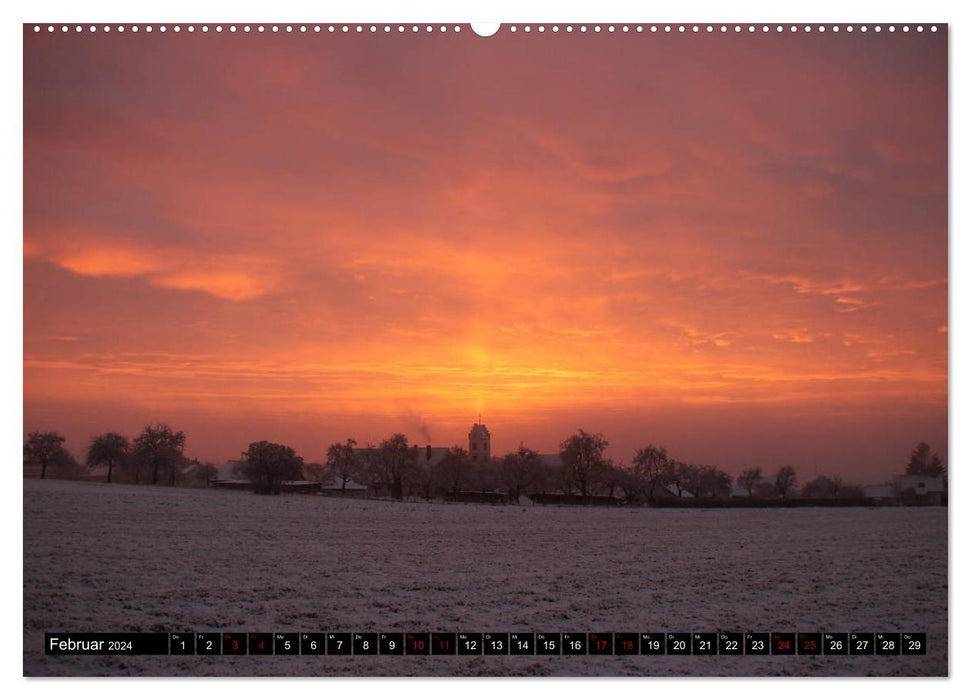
<point x="107" y="557"/>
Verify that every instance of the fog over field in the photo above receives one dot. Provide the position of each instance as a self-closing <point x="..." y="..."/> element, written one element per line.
<point x="112" y="557"/>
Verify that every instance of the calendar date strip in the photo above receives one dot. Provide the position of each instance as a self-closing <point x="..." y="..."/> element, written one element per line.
<point x="486" y="643"/>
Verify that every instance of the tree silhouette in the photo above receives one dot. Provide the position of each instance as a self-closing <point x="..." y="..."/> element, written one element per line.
<point x="47" y="449"/>
<point x="706" y="481"/>
<point x="611" y="477"/>
<point x="398" y="461"/>
<point x="785" y="480"/>
<point x="749" y="478"/>
<point x="268" y="465"/>
<point x="342" y="462"/>
<point x="159" y="449"/>
<point x="454" y="471"/>
<point x="519" y="471"/>
<point x="681" y="475"/>
<point x="830" y="487"/>
<point x="583" y="461"/>
<point x="372" y="471"/>
<point x="109" y="450"/>
<point x="650" y="466"/>
<point x="923" y="463"/>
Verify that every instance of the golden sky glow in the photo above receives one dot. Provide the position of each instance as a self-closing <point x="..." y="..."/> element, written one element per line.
<point x="733" y="246"/>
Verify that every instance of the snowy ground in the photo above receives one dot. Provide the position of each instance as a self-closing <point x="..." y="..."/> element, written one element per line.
<point x="107" y="557"/>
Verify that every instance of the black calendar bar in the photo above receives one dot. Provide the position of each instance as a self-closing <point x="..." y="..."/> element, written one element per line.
<point x="776" y="644"/>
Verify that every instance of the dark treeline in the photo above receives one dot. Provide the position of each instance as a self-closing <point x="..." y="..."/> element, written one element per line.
<point x="155" y="456"/>
<point x="396" y="469"/>
<point x="579" y="473"/>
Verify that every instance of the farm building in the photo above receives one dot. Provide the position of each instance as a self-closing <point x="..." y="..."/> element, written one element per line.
<point x="919" y="490"/>
<point x="232" y="475"/>
<point x="908" y="490"/>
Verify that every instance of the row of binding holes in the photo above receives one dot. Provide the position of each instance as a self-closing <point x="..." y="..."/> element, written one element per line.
<point x="414" y="28"/>
<point x="710" y="29"/>
<point x="288" y="28"/>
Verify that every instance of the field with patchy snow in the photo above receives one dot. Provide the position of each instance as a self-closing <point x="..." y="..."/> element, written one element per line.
<point x="108" y="557"/>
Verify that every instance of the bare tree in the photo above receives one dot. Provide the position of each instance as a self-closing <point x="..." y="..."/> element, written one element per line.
<point x="785" y="481"/>
<point x="398" y="461"/>
<point x="519" y="471"/>
<point x="372" y="470"/>
<point x="343" y="462"/>
<point x="650" y="467"/>
<point x="749" y="478"/>
<point x="706" y="481"/>
<point x="583" y="460"/>
<point x="47" y="449"/>
<point x="109" y="450"/>
<point x="268" y="465"/>
<point x="681" y="476"/>
<point x="160" y="449"/>
<point x="612" y="477"/>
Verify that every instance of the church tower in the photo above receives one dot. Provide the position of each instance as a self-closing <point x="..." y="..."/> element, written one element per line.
<point x="480" y="448"/>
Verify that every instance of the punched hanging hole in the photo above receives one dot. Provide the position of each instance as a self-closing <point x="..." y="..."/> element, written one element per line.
<point x="485" y="28"/>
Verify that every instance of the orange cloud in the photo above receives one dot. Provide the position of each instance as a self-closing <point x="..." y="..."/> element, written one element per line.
<point x="231" y="277"/>
<point x="234" y="286"/>
<point x="108" y="262"/>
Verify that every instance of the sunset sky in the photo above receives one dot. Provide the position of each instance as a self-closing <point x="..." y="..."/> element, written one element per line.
<point x="731" y="245"/>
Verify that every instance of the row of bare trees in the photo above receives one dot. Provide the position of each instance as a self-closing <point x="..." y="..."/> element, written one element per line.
<point x="651" y="473"/>
<point x="581" y="468"/>
<point x="783" y="484"/>
<point x="155" y="456"/>
<point x="393" y="467"/>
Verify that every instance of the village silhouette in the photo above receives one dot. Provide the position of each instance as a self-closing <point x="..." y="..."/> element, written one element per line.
<point x="579" y="474"/>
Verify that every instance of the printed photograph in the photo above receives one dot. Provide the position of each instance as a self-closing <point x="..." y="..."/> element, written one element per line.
<point x="397" y="350"/>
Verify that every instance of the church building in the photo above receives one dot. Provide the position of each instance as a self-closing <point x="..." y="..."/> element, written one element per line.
<point x="480" y="443"/>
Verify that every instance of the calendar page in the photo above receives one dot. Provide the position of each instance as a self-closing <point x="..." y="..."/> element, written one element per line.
<point x="524" y="349"/>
